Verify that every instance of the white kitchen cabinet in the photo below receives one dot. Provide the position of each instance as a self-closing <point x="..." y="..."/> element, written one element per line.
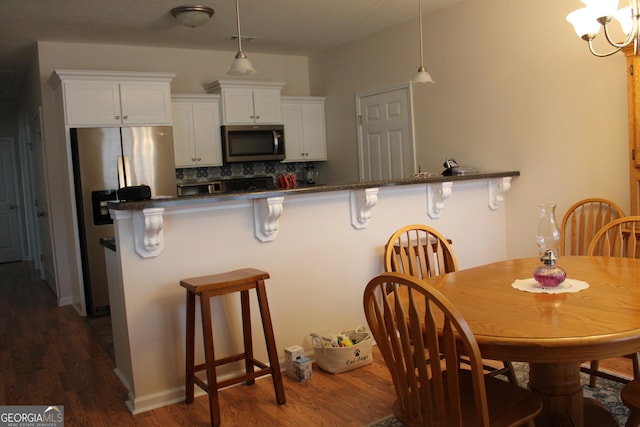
<point x="116" y="98"/>
<point x="196" y="130"/>
<point x="304" y="128"/>
<point x="248" y="102"/>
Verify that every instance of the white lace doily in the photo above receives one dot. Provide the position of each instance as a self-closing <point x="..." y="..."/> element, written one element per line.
<point x="568" y="286"/>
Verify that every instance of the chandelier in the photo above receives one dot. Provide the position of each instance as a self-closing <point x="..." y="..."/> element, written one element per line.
<point x="598" y="14"/>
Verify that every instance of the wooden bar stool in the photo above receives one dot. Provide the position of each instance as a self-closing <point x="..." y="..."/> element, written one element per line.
<point x="220" y="284"/>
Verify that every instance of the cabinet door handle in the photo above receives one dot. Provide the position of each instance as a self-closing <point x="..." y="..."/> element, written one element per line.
<point x="125" y="117"/>
<point x="117" y="117"/>
<point x="257" y="117"/>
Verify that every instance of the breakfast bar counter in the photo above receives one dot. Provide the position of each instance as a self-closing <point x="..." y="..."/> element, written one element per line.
<point x="306" y="189"/>
<point x="320" y="245"/>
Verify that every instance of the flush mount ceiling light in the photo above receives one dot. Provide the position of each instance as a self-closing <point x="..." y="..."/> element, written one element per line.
<point x="423" y="76"/>
<point x="240" y="65"/>
<point x="598" y="14"/>
<point x="192" y="16"/>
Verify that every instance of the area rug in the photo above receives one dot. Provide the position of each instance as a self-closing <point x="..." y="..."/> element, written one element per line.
<point x="607" y="392"/>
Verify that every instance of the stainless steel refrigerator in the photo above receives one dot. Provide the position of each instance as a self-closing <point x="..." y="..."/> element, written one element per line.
<point x="105" y="159"/>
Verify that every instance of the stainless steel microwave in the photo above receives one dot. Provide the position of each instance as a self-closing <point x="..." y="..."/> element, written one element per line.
<point x="253" y="143"/>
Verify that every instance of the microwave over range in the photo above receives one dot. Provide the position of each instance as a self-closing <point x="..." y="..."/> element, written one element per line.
<point x="253" y="143"/>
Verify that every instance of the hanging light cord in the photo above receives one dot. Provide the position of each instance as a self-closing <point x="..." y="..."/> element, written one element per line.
<point x="238" y="24"/>
<point x="420" y="22"/>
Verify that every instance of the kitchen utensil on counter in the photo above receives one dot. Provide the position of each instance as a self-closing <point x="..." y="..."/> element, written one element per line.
<point x="310" y="174"/>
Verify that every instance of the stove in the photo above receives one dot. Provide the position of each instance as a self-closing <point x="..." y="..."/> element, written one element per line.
<point x="238" y="185"/>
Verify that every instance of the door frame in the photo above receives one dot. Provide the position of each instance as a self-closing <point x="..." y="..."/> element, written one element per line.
<point x="358" y="97"/>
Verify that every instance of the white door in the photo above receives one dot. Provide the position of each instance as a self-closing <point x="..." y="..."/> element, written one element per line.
<point x="385" y="134"/>
<point x="44" y="251"/>
<point x="10" y="228"/>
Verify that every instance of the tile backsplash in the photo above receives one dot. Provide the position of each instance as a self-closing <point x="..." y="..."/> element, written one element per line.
<point x="239" y="170"/>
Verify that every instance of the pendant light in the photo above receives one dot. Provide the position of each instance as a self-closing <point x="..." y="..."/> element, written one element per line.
<point x="240" y="65"/>
<point x="423" y="75"/>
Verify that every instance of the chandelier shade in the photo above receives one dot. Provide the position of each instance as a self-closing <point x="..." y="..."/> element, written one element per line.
<point x="597" y="16"/>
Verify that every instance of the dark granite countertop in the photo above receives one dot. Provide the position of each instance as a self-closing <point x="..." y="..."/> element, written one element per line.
<point x="320" y="188"/>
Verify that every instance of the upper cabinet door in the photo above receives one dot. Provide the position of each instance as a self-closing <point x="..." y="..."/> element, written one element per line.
<point x="90" y="102"/>
<point x="183" y="147"/>
<point x="145" y="103"/>
<point x="267" y="106"/>
<point x="196" y="131"/>
<point x="238" y="106"/>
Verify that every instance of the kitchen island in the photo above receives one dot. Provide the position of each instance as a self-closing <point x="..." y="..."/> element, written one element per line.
<point x="320" y="244"/>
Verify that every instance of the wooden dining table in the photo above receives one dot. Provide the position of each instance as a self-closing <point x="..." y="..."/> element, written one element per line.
<point x="554" y="333"/>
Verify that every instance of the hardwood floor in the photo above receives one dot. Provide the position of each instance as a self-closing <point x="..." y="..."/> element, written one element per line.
<point x="49" y="355"/>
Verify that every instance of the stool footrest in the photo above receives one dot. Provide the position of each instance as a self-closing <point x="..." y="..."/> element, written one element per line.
<point x="231" y="359"/>
<point x="244" y="378"/>
<point x="265" y="370"/>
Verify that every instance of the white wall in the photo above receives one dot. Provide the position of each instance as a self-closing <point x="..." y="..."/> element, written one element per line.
<point x="515" y="89"/>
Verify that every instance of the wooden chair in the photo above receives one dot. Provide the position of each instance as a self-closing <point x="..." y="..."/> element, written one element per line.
<point x="582" y="221"/>
<point x="630" y="396"/>
<point x="619" y="238"/>
<point x="403" y="254"/>
<point x="409" y="319"/>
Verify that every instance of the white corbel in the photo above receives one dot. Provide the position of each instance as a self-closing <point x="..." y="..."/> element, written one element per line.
<point x="147" y="232"/>
<point x="497" y="188"/>
<point x="266" y="213"/>
<point x="362" y="203"/>
<point x="437" y="193"/>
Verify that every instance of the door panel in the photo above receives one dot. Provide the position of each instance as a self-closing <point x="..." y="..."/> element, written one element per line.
<point x="149" y="153"/>
<point x="10" y="229"/>
<point x="385" y="134"/>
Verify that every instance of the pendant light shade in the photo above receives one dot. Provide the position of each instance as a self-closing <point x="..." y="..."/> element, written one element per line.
<point x="423" y="76"/>
<point x="240" y="65"/>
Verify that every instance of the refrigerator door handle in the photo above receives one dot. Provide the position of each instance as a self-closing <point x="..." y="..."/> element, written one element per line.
<point x="127" y="171"/>
<point x="121" y="181"/>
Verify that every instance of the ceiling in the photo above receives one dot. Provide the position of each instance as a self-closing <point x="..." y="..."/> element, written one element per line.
<point x="298" y="27"/>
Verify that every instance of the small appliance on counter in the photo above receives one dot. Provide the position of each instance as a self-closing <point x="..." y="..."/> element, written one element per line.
<point x="452" y="168"/>
<point x="231" y="185"/>
<point x="310" y="174"/>
<point x="198" y="188"/>
<point x="257" y="183"/>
